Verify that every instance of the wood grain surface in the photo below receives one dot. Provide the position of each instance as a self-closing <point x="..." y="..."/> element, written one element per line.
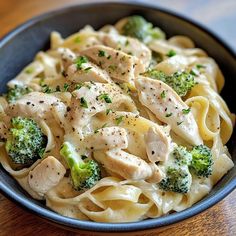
<point x="220" y="219"/>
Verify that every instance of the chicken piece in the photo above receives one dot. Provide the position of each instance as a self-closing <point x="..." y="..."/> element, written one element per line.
<point x="96" y="97"/>
<point x="35" y="104"/>
<point x="157" y="145"/>
<point x="46" y="175"/>
<point x="67" y="56"/>
<point x="174" y="64"/>
<point x="87" y="72"/>
<point x="118" y="64"/>
<point x="130" y="46"/>
<point x="168" y="108"/>
<point x="107" y="138"/>
<point x="127" y="165"/>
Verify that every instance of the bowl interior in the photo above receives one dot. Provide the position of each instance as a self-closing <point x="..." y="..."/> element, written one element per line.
<point x="19" y="48"/>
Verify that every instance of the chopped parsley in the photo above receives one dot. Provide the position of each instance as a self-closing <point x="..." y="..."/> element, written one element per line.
<point x="109" y="57"/>
<point x="96" y="130"/>
<point x="83" y="102"/>
<point x="88" y="69"/>
<point x="119" y="119"/>
<point x="101" y="53"/>
<point x="77" y="39"/>
<point x="199" y="66"/>
<point x="186" y="111"/>
<point x="66" y="87"/>
<point x="169" y="114"/>
<point x="171" y="53"/>
<point x="192" y="72"/>
<point x="108" y="111"/>
<point x="80" y="60"/>
<point x="46" y="89"/>
<point x="105" y="97"/>
<point x="104" y="125"/>
<point x="29" y="70"/>
<point x="163" y="94"/>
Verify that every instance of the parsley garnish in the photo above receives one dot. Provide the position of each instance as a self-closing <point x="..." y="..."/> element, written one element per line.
<point x="106" y="98"/>
<point x="46" y="89"/>
<point x="199" y="66"/>
<point x="186" y="111"/>
<point x="163" y="94"/>
<point x="29" y="70"/>
<point x="101" y="53"/>
<point x="96" y="130"/>
<point x="77" y="39"/>
<point x="193" y="73"/>
<point x="108" y="111"/>
<point x="88" y="68"/>
<point x="119" y="119"/>
<point x="79" y="61"/>
<point x="171" y="53"/>
<point x="66" y="87"/>
<point x="83" y="102"/>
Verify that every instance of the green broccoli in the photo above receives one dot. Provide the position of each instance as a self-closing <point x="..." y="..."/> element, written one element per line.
<point x="202" y="161"/>
<point x="182" y="156"/>
<point x="181" y="82"/>
<point x="26" y="142"/>
<point x="178" y="178"/>
<point x="138" y="27"/>
<point x="17" y="92"/>
<point x="84" y="174"/>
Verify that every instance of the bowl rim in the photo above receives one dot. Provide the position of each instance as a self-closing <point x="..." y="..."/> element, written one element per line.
<point x="117" y="227"/>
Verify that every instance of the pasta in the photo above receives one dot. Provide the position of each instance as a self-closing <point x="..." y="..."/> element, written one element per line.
<point x="112" y="96"/>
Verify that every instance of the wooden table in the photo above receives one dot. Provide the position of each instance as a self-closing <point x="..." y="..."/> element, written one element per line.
<point x="220" y="219"/>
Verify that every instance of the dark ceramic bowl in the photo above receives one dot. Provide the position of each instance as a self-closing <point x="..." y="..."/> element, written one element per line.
<point x="19" y="47"/>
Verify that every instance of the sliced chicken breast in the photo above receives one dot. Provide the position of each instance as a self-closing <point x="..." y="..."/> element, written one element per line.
<point x="130" y="46"/>
<point x="46" y="175"/>
<point x="127" y="165"/>
<point x="87" y="72"/>
<point x="35" y="104"/>
<point x="118" y="64"/>
<point x="169" y="108"/>
<point x="96" y="97"/>
<point x="107" y="138"/>
<point x="157" y="145"/>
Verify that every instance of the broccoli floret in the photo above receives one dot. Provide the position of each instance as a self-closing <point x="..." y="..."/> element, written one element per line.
<point x="202" y="161"/>
<point x="138" y="27"/>
<point x="26" y="142"/>
<point x="181" y="82"/>
<point x="182" y="156"/>
<point x="178" y="178"/>
<point x="84" y="174"/>
<point x="17" y="92"/>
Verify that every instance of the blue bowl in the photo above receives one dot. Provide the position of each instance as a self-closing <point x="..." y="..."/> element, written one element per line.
<point x="19" y="47"/>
